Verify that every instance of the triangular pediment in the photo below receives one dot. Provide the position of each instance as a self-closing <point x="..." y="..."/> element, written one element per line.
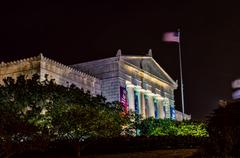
<point x="148" y="64"/>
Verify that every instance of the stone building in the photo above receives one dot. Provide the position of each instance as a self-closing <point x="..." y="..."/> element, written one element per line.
<point x="138" y="82"/>
<point x="62" y="74"/>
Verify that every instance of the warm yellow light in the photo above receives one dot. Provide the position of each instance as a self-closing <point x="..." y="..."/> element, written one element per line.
<point x="147" y="76"/>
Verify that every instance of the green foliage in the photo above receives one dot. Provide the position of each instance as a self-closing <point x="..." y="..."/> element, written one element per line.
<point x="189" y="128"/>
<point x="34" y="113"/>
<point x="160" y="127"/>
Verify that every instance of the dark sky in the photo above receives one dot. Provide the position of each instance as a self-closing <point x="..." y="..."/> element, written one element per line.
<point x="78" y="32"/>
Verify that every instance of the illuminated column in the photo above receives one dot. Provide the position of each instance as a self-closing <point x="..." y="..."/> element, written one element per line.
<point x="137" y="100"/>
<point x="160" y="106"/>
<point x="142" y="103"/>
<point x="130" y="92"/>
<point x="155" y="107"/>
<point x="167" y="107"/>
<point x="160" y="103"/>
<point x="172" y="109"/>
<point x="147" y="108"/>
<point x="150" y="103"/>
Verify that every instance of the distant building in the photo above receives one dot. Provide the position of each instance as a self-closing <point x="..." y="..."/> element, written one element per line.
<point x="138" y="82"/>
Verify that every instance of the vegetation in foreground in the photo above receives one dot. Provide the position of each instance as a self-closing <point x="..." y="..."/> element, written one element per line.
<point x="224" y="131"/>
<point x="35" y="113"/>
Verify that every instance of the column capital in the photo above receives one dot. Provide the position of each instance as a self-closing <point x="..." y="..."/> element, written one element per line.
<point x="129" y="84"/>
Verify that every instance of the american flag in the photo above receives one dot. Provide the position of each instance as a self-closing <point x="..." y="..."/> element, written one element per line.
<point x="171" y="37"/>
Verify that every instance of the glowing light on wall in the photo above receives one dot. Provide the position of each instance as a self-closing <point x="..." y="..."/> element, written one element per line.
<point x="149" y="77"/>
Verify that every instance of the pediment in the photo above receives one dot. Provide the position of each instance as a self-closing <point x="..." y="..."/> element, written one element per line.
<point x="148" y="64"/>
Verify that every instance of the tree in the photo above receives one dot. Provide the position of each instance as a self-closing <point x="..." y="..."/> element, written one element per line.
<point x="35" y="113"/>
<point x="224" y="130"/>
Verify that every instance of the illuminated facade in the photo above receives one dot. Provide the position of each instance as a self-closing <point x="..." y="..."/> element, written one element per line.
<point x="43" y="66"/>
<point x="138" y="82"/>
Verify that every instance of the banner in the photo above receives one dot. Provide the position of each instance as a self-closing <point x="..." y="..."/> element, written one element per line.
<point x="155" y="103"/>
<point x="136" y="102"/>
<point x="123" y="98"/>
<point x="173" y="113"/>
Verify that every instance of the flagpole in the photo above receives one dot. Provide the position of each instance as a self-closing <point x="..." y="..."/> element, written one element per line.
<point x="181" y="74"/>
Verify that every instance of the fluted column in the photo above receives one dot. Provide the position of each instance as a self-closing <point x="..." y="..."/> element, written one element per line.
<point x="160" y="106"/>
<point x="137" y="99"/>
<point x="130" y="93"/>
<point x="150" y="104"/>
<point x="172" y="108"/>
<point x="167" y="108"/>
<point x="143" y="103"/>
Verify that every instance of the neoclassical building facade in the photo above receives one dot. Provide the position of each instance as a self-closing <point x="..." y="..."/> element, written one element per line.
<point x="138" y="82"/>
<point x="62" y="74"/>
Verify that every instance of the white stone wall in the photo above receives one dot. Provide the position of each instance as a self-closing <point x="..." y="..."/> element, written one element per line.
<point x="132" y="76"/>
<point x="111" y="73"/>
<point x="62" y="74"/>
<point x="110" y="89"/>
<point x="66" y="76"/>
<point x="116" y="71"/>
<point x="179" y="116"/>
<point x="107" y="71"/>
<point x="26" y="67"/>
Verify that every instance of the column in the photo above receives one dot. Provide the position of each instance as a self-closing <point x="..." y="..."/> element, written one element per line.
<point x="137" y="101"/>
<point x="149" y="100"/>
<point x="157" y="108"/>
<point x="160" y="105"/>
<point x="142" y="103"/>
<point x="159" y="99"/>
<point x="140" y="99"/>
<point x="151" y="106"/>
<point x="172" y="108"/>
<point x="130" y="93"/>
<point x="146" y="98"/>
<point x="167" y="108"/>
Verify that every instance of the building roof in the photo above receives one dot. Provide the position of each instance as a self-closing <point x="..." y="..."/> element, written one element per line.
<point x="144" y="63"/>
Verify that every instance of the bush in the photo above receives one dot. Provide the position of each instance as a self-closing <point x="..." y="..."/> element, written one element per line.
<point x="167" y="127"/>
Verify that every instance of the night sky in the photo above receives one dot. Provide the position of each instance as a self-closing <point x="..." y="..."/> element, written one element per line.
<point x="77" y="32"/>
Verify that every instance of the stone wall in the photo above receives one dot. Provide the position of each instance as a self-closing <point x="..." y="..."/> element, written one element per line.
<point x="66" y="76"/>
<point x="62" y="74"/>
<point x="127" y="70"/>
<point x="107" y="71"/>
<point x="179" y="116"/>
<point x="26" y="67"/>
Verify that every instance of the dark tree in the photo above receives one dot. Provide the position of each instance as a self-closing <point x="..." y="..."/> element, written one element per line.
<point x="224" y="130"/>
